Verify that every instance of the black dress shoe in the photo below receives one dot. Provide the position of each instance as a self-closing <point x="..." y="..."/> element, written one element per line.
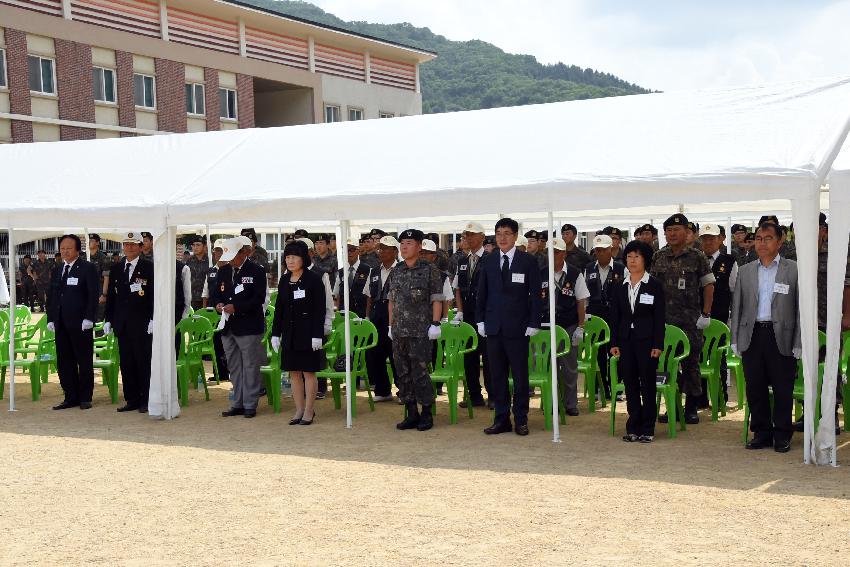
<point x="521" y="430"/>
<point x="630" y="438"/>
<point x="491" y="404"/>
<point x="249" y="414"/>
<point x="65" y="405"/>
<point x="233" y="411"/>
<point x="573" y="412"/>
<point x="499" y="427"/>
<point x="798" y="425"/>
<point x="760" y="443"/>
<point x="426" y="420"/>
<point x="663" y="418"/>
<point x="691" y="418"/>
<point x="85" y="405"/>
<point x="143" y="409"/>
<point x="127" y="407"/>
<point x="475" y="403"/>
<point x="782" y="446"/>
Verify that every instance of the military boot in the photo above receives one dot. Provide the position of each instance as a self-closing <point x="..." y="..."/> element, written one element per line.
<point x="412" y="419"/>
<point x="426" y="420"/>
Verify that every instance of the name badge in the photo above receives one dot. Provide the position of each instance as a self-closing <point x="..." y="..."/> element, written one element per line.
<point x="463" y="267"/>
<point x="681" y="283"/>
<point x="647" y="299"/>
<point x="545" y="284"/>
<point x="592" y="276"/>
<point x="299" y="294"/>
<point x="135" y="288"/>
<point x="518" y="278"/>
<point x="248" y="279"/>
<point x="239" y="288"/>
<point x="782" y="288"/>
<point x="72" y="281"/>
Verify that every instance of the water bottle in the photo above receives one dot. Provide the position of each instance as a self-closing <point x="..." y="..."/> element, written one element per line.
<point x="285" y="384"/>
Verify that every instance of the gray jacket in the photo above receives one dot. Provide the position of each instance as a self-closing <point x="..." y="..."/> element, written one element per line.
<point x="785" y="312"/>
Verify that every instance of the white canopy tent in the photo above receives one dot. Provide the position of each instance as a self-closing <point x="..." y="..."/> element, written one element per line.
<point x="709" y="149"/>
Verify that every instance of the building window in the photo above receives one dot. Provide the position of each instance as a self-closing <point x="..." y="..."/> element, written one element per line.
<point x="355" y="113"/>
<point x="331" y="113"/>
<point x="227" y="103"/>
<point x="195" y="99"/>
<point x="41" y="75"/>
<point x="3" y="82"/>
<point x="143" y="91"/>
<point x="103" y="83"/>
<point x="386" y="115"/>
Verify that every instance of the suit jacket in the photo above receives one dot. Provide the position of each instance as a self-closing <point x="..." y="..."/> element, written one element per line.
<point x="647" y="321"/>
<point x="129" y="304"/>
<point x="509" y="309"/>
<point x="247" y="300"/>
<point x="76" y="299"/>
<point x="784" y="310"/>
<point x="297" y="320"/>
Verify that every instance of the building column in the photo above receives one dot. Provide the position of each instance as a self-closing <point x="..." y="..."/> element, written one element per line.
<point x="125" y="97"/>
<point x="171" y="95"/>
<point x="311" y="54"/>
<point x="74" y="89"/>
<point x="245" y="100"/>
<point x="163" y="20"/>
<point x="212" y="100"/>
<point x="243" y="42"/>
<point x="367" y="64"/>
<point x="19" y="90"/>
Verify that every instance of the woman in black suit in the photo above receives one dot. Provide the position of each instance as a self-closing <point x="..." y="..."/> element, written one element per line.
<point x="637" y="337"/>
<point x="298" y="328"/>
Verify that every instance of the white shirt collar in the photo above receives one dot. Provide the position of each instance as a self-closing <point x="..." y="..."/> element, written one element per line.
<point x="134" y="262"/>
<point x="355" y="265"/>
<point x="479" y="252"/>
<point x="715" y="255"/>
<point x="510" y="254"/>
<point x="71" y="264"/>
<point x="643" y="280"/>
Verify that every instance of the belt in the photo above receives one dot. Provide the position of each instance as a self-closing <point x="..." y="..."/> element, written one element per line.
<point x="764" y="324"/>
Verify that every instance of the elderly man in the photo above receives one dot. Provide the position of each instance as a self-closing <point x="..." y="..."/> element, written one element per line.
<point x="377" y="310"/>
<point x="241" y="292"/>
<point x="357" y="275"/>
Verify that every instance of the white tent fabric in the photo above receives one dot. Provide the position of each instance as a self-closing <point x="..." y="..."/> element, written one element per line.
<point x="657" y="150"/>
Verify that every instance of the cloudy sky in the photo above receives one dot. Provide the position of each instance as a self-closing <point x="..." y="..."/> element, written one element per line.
<point x="664" y="45"/>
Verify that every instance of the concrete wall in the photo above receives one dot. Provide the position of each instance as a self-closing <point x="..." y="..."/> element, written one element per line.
<point x="283" y="108"/>
<point x="373" y="99"/>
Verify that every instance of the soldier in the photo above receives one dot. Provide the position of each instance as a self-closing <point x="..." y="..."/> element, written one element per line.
<point x="748" y="253"/>
<point x="736" y="248"/>
<point x="521" y="243"/>
<point x="369" y="256"/>
<point x="415" y="305"/>
<point x="210" y="298"/>
<point x="324" y="259"/>
<point x="489" y="244"/>
<point x="259" y="255"/>
<point x="27" y="282"/>
<point x="601" y="277"/>
<point x="41" y="269"/>
<point x="377" y="310"/>
<point x="357" y="273"/>
<point x="147" y="246"/>
<point x="199" y="265"/>
<point x="575" y="254"/>
<point x="688" y="291"/>
<point x="649" y="234"/>
<point x="535" y="247"/>
<point x="103" y="265"/>
<point x="461" y="251"/>
<point x="442" y="258"/>
<point x="616" y="241"/>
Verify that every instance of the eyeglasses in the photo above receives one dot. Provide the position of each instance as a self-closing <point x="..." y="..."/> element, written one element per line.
<point x="504" y="233"/>
<point x="766" y="239"/>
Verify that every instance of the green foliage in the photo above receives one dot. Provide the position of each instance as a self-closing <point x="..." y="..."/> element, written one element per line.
<point x="470" y="75"/>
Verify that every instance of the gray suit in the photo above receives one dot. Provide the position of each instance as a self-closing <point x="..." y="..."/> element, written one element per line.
<point x="784" y="309"/>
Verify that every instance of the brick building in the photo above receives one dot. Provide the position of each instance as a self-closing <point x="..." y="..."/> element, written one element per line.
<point x="82" y="69"/>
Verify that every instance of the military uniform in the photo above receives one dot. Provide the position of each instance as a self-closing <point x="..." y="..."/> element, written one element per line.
<point x="453" y="260"/>
<point x="371" y="259"/>
<point x="199" y="267"/>
<point x="683" y="276"/>
<point x="822" y="270"/>
<point x="788" y="250"/>
<point x="412" y="292"/>
<point x="41" y="272"/>
<point x="103" y="264"/>
<point x="328" y="265"/>
<point x="578" y="257"/>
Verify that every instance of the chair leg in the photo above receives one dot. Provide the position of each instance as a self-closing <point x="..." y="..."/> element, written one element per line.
<point x="452" y="391"/>
<point x="680" y="411"/>
<point x="845" y="393"/>
<point x="369" y="391"/>
<point x="3" y="384"/>
<point x="613" y="411"/>
<point x="35" y="381"/>
<point x="746" y="422"/>
<point x="546" y="402"/>
<point x="335" y="389"/>
<point x="466" y="396"/>
<point x="713" y="395"/>
<point x="591" y="387"/>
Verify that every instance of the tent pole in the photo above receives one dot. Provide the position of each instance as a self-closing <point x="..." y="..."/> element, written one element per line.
<point x="209" y="246"/>
<point x="86" y="240"/>
<point x="553" y="345"/>
<point x="344" y="229"/>
<point x="12" y="300"/>
<point x="280" y="249"/>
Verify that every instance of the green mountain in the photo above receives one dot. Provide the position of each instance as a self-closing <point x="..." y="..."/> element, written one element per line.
<point x="470" y="75"/>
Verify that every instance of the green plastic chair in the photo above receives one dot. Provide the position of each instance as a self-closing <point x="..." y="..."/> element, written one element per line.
<point x="617" y="387"/>
<point x="211" y="315"/>
<point x="715" y="343"/>
<point x="454" y="343"/>
<point x="271" y="374"/>
<point x="736" y="368"/>
<point x="107" y="360"/>
<point x="842" y="366"/>
<point x="273" y="298"/>
<point x="195" y="333"/>
<point x="799" y="385"/>
<point x="596" y="334"/>
<point x="363" y="336"/>
<point x="38" y="364"/>
<point x="540" y="368"/>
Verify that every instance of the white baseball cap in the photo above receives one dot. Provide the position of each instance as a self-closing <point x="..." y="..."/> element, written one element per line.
<point x="473" y="227"/>
<point x="601" y="241"/>
<point x="709" y="229"/>
<point x="219" y="243"/>
<point x="230" y="248"/>
<point x="558" y="244"/>
<point x="521" y="241"/>
<point x="132" y="237"/>
<point x="389" y="241"/>
<point x="308" y="242"/>
<point x="352" y="242"/>
<point x="429" y="245"/>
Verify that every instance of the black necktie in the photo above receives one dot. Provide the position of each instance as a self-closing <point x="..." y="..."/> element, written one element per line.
<point x="350" y="277"/>
<point x="127" y="271"/>
<point x="506" y="270"/>
<point x="235" y="275"/>
<point x="65" y="274"/>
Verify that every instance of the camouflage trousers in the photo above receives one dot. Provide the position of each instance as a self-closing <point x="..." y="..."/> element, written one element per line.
<point x="691" y="381"/>
<point x="412" y="356"/>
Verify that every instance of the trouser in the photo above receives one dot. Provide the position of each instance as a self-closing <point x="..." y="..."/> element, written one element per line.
<point x="602" y="358"/>
<point x="74" y="362"/>
<point x="691" y="381"/>
<point x="134" y="351"/>
<point x="28" y="289"/>
<point x="245" y="355"/>
<point x="472" y="369"/>
<point x="509" y="353"/>
<point x="765" y="366"/>
<point x="41" y="297"/>
<point x="376" y="363"/>
<point x="568" y="373"/>
<point x="637" y="371"/>
<point x="412" y="356"/>
<point x="101" y="311"/>
<point x="197" y="304"/>
<point x="220" y="358"/>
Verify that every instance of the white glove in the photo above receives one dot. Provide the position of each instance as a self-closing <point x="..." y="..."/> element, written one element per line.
<point x="87" y="325"/>
<point x="276" y="344"/>
<point x="481" y="329"/>
<point x="458" y="318"/>
<point x="390" y="333"/>
<point x="703" y="322"/>
<point x="797" y="352"/>
<point x="531" y="331"/>
<point x="150" y="327"/>
<point x="51" y="327"/>
<point x="328" y="329"/>
<point x="735" y="350"/>
<point x="316" y="344"/>
<point x="107" y="328"/>
<point x="434" y="332"/>
<point x="578" y="335"/>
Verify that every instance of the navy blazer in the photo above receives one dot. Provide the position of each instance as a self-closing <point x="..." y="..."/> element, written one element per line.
<point x="508" y="310"/>
<point x="647" y="321"/>
<point x="248" y="319"/>
<point x="129" y="311"/>
<point x="70" y="303"/>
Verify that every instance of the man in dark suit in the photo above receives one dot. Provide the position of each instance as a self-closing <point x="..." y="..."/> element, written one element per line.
<point x="72" y="308"/>
<point x="508" y="305"/>
<point x="129" y="313"/>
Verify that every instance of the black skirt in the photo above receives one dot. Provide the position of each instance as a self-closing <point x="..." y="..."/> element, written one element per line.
<point x="302" y="360"/>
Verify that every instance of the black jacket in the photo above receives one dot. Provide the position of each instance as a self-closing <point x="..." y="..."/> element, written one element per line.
<point x="299" y="312"/>
<point x="129" y="304"/>
<point x="509" y="308"/>
<point x="247" y="300"/>
<point x="76" y="298"/>
<point x="647" y="321"/>
<point x="357" y="299"/>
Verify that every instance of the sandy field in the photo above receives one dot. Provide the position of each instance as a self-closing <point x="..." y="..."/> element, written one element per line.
<point x="98" y="487"/>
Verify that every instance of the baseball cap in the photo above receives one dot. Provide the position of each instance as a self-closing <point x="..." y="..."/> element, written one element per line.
<point x="219" y="243"/>
<point x="474" y="228"/>
<point x="559" y="244"/>
<point x="306" y="241"/>
<point x="709" y="229"/>
<point x="132" y="237"/>
<point x="229" y="248"/>
<point x="429" y="245"/>
<point x="300" y="233"/>
<point x="738" y="228"/>
<point x="521" y="241"/>
<point x="250" y="233"/>
<point x="602" y="241"/>
<point x="389" y="241"/>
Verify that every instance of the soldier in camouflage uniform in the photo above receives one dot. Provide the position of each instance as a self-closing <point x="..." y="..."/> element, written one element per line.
<point x="102" y="264"/>
<point x="415" y="304"/>
<point x="41" y="270"/>
<point x="576" y="255"/>
<point x="689" y="291"/>
<point x="324" y="259"/>
<point x="147" y="246"/>
<point x="199" y="265"/>
<point x="370" y="246"/>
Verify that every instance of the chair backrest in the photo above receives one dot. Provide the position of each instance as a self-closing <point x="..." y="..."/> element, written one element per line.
<point x="596" y="334"/>
<point x="539" y="358"/>
<point x="363" y="336"/>
<point x="183" y="331"/>
<point x="715" y="338"/>
<point x="109" y="350"/>
<point x="23" y="315"/>
<point x="200" y="331"/>
<point x="4" y="324"/>
<point x="845" y="353"/>
<point x="676" y="348"/>
<point x="821" y="349"/>
<point x="210" y="314"/>
<point x="273" y="298"/>
<point x="454" y="342"/>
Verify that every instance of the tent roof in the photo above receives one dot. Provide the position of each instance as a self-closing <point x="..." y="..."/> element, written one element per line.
<point x="712" y="146"/>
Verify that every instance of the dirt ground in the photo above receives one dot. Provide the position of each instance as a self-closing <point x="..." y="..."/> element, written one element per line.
<point x="98" y="487"/>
